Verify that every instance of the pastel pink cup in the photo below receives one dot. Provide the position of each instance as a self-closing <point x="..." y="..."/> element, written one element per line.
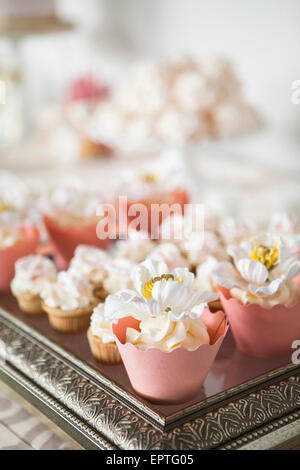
<point x="170" y="377"/>
<point x="262" y="332"/>
<point x="66" y="239"/>
<point x="11" y="254"/>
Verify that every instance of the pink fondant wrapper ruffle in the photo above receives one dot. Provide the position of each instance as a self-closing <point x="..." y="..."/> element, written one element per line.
<point x="262" y="332"/>
<point x="297" y="279"/>
<point x="66" y="239"/>
<point x="170" y="377"/>
<point x="11" y="254"/>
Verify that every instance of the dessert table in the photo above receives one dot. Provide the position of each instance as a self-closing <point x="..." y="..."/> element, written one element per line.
<point x="245" y="403"/>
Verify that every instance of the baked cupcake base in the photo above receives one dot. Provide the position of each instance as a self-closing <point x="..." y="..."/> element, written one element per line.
<point x="215" y="306"/>
<point x="30" y="303"/>
<point x="100" y="293"/>
<point x="69" y="321"/>
<point x="106" y="353"/>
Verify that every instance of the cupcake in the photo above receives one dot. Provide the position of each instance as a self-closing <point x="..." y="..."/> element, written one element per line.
<point x="136" y="247"/>
<point x="101" y="339"/>
<point x="167" y="349"/>
<point x="117" y="275"/>
<point x="147" y="189"/>
<point x="91" y="261"/>
<point x="204" y="281"/>
<point x="31" y="274"/>
<point x="259" y="295"/>
<point x="69" y="301"/>
<point x="71" y="220"/>
<point x="170" y="255"/>
<point x="15" y="242"/>
<point x="84" y="94"/>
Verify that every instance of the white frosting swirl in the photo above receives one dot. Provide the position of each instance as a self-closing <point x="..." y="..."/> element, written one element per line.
<point x="72" y="201"/>
<point x="100" y="327"/>
<point x="118" y="273"/>
<point x="90" y="261"/>
<point x="70" y="291"/>
<point x="288" y="296"/>
<point x="164" y="334"/>
<point x="169" y="254"/>
<point x="31" y="274"/>
<point x="136" y="248"/>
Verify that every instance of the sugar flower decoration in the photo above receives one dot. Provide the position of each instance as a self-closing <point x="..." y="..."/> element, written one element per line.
<point x="262" y="265"/>
<point x="157" y="292"/>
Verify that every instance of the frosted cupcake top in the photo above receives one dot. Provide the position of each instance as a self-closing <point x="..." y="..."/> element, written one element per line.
<point x="164" y="334"/>
<point x="262" y="271"/>
<point x="101" y="327"/>
<point x="70" y="291"/>
<point x="70" y="202"/>
<point x="170" y="255"/>
<point x="117" y="275"/>
<point x="136" y="247"/>
<point x="90" y="261"/>
<point x="166" y="304"/>
<point x="31" y="274"/>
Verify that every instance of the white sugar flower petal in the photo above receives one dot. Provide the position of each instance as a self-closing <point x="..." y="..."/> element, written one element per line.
<point x="186" y="276"/>
<point x="225" y="275"/>
<point x="170" y="294"/>
<point x="146" y="271"/>
<point x="237" y="252"/>
<point x="197" y="298"/>
<point x="129" y="303"/>
<point x="252" y="271"/>
<point x="268" y="289"/>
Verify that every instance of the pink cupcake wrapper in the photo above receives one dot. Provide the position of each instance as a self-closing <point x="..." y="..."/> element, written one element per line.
<point x="262" y="332"/>
<point x="11" y="254"/>
<point x="66" y="239"/>
<point x="170" y="377"/>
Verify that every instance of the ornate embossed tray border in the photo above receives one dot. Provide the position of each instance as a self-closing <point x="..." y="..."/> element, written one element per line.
<point x="99" y="414"/>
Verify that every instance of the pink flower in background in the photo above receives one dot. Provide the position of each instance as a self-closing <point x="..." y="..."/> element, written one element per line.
<point x="87" y="88"/>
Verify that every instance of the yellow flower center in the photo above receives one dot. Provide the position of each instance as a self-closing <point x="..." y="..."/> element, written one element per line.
<point x="3" y="207"/>
<point x="265" y="255"/>
<point x="148" y="286"/>
<point x="149" y="178"/>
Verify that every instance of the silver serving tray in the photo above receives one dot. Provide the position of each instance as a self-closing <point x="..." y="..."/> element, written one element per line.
<point x="244" y="403"/>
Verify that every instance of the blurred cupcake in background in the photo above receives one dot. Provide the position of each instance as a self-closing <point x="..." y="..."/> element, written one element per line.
<point x="82" y="98"/>
<point x="259" y="296"/>
<point x="235" y="230"/>
<point x="118" y="275"/>
<point x="169" y="254"/>
<point x="147" y="189"/>
<point x="101" y="339"/>
<point x="136" y="247"/>
<point x="31" y="274"/>
<point x="70" y="220"/>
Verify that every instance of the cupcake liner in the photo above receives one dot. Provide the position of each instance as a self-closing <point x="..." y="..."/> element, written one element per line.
<point x="262" y="332"/>
<point x="66" y="238"/>
<point x="177" y="196"/>
<point x="73" y="321"/>
<point x="297" y="279"/>
<point x="106" y="353"/>
<point x="170" y="377"/>
<point x="9" y="255"/>
<point x="30" y="303"/>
